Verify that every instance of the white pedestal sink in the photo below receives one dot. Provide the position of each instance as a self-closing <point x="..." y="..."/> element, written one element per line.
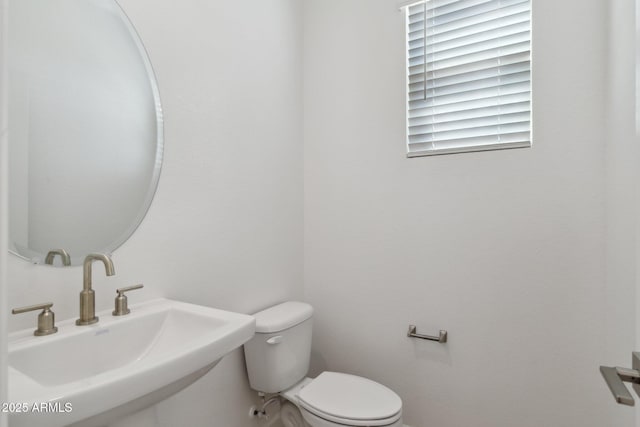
<point x="93" y="375"/>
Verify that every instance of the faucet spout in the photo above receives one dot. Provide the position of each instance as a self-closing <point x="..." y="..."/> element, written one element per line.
<point x="64" y="255"/>
<point x="87" y="295"/>
<point x="86" y="268"/>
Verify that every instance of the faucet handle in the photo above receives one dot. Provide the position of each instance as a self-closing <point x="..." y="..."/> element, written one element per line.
<point x="46" y="319"/>
<point x="121" y="300"/>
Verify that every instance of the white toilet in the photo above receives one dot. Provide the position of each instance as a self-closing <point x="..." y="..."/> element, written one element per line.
<point x="277" y="360"/>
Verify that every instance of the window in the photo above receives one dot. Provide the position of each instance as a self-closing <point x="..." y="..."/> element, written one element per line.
<point x="468" y="76"/>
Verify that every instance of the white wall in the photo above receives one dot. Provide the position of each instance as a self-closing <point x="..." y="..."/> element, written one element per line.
<point x="4" y="209"/>
<point x="621" y="155"/>
<point x="505" y="249"/>
<point x="225" y="228"/>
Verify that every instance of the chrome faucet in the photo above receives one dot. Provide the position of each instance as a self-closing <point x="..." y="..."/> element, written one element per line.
<point x="87" y="295"/>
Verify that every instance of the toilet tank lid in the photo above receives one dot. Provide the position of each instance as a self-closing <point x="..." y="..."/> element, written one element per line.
<point x="282" y="316"/>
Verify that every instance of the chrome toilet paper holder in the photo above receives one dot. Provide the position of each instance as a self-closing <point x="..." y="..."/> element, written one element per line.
<point x="441" y="338"/>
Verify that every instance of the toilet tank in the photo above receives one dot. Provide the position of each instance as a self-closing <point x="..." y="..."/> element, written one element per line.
<point x="277" y="357"/>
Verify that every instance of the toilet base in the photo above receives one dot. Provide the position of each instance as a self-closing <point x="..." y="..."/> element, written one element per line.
<point x="315" y="421"/>
<point x="291" y="416"/>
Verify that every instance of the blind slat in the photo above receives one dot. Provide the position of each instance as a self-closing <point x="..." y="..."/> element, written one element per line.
<point x="487" y="63"/>
<point x="418" y="47"/>
<point x="465" y="105"/>
<point x="472" y="53"/>
<point x="447" y="6"/>
<point x="505" y="138"/>
<point x="495" y="92"/>
<point x="514" y="107"/>
<point x="469" y="27"/>
<point x="488" y="11"/>
<point x="471" y="45"/>
<point x="471" y="132"/>
<point x="470" y="86"/>
<point x="417" y="81"/>
<point x="477" y="121"/>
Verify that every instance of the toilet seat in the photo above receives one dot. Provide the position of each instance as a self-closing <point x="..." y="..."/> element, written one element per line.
<point x="350" y="400"/>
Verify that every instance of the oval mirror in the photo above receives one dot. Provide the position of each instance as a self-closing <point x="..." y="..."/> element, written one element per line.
<point x="85" y="128"/>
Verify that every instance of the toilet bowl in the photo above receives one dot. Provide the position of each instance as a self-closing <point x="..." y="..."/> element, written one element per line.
<point x="291" y="416"/>
<point x="277" y="361"/>
<point x="337" y="399"/>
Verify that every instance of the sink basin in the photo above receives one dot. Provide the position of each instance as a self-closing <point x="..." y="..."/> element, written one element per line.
<point x="93" y="375"/>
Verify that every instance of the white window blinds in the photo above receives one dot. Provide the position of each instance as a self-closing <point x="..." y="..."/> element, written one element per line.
<point x="469" y="76"/>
